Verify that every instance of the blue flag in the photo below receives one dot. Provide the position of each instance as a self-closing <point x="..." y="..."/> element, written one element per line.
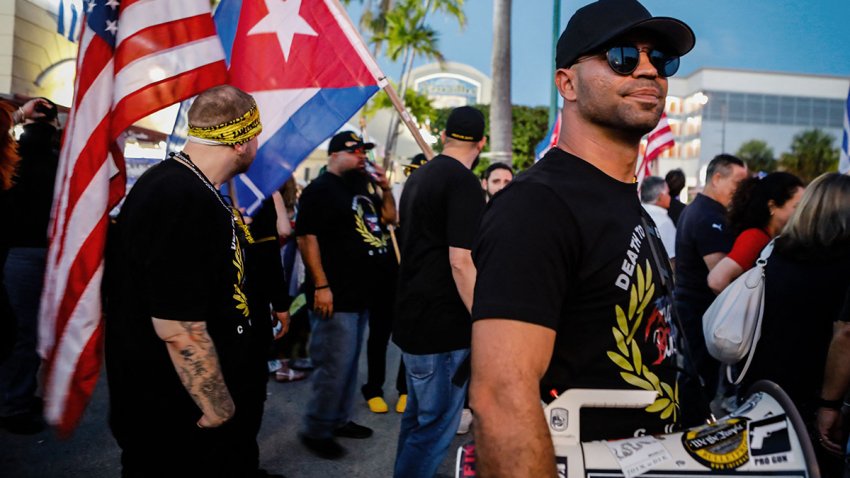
<point x="844" y="162"/>
<point x="69" y="18"/>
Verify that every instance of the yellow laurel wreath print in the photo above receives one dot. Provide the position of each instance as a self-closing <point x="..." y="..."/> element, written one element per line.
<point x="361" y="228"/>
<point x="628" y="356"/>
<point x="238" y="295"/>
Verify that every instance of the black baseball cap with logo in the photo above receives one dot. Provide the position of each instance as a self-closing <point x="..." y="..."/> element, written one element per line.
<point x="596" y="24"/>
<point x="347" y="141"/>
<point x="465" y="124"/>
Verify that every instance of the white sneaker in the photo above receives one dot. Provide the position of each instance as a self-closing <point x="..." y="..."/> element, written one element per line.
<point x="465" y="422"/>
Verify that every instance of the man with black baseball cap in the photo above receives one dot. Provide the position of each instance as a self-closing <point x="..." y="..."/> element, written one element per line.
<point x="440" y="207"/>
<point x="340" y="238"/>
<point x="568" y="294"/>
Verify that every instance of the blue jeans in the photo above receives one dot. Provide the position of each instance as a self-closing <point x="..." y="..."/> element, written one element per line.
<point x="434" y="406"/>
<point x="23" y="277"/>
<point x="334" y="348"/>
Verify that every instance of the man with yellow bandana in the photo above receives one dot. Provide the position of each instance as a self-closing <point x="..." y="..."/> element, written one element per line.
<point x="186" y="387"/>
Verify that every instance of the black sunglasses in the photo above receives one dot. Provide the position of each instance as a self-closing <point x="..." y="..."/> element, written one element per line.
<point x="625" y="59"/>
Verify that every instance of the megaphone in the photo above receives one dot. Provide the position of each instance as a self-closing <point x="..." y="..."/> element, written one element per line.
<point x="764" y="436"/>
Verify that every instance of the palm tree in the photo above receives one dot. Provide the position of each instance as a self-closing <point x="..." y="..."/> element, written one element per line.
<point x="501" y="125"/>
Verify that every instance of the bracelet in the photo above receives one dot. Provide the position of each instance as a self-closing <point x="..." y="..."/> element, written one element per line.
<point x="830" y="404"/>
<point x="320" y="287"/>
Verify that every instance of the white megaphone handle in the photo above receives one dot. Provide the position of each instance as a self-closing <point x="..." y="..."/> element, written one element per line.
<point x="562" y="414"/>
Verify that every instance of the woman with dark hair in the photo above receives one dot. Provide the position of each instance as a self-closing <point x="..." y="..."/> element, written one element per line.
<point x="806" y="289"/>
<point x="760" y="208"/>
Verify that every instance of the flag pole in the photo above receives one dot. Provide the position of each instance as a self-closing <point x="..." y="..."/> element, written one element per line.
<point x="408" y="121"/>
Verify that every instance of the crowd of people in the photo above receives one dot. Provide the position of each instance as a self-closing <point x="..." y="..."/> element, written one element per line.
<point x="501" y="292"/>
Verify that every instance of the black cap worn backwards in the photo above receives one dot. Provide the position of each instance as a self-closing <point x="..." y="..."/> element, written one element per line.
<point x="598" y="23"/>
<point x="465" y="124"/>
<point x="347" y="141"/>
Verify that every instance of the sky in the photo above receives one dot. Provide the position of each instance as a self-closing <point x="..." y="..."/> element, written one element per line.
<point x="798" y="36"/>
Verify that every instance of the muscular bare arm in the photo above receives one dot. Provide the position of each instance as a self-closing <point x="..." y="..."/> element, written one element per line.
<point x="712" y="259"/>
<point x="722" y="274"/>
<point x="323" y="300"/>
<point x="193" y="353"/>
<point x="463" y="272"/>
<point x="511" y="436"/>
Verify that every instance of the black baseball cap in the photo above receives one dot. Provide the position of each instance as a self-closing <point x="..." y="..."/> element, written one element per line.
<point x="598" y="23"/>
<point x="465" y="124"/>
<point x="347" y="141"/>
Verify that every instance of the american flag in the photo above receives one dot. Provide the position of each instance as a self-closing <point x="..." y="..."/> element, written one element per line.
<point x="135" y="57"/>
<point x="658" y="140"/>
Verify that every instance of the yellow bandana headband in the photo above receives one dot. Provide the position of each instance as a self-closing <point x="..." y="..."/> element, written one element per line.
<point x="236" y="131"/>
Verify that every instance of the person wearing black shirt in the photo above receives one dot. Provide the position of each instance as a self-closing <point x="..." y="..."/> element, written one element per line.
<point x="702" y="240"/>
<point x="340" y="238"/>
<point x="440" y="207"/>
<point x="568" y="293"/>
<point x="27" y="209"/>
<point x="183" y="370"/>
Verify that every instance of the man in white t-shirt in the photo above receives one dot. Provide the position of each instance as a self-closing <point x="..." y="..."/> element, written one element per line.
<point x="655" y="197"/>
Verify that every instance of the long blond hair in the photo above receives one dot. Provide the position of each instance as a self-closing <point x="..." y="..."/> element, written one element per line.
<point x="8" y="147"/>
<point x="822" y="219"/>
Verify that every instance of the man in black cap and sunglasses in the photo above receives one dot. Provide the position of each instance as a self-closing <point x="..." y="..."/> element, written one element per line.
<point x="568" y="293"/>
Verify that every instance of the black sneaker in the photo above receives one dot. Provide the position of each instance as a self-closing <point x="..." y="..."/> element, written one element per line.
<point x="326" y="448"/>
<point x="353" y="430"/>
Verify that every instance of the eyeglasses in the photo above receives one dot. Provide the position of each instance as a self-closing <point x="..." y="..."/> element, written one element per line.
<point x="624" y="60"/>
<point x="355" y="150"/>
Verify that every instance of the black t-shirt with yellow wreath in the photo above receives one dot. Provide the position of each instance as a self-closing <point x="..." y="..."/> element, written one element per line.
<point x="344" y="214"/>
<point x="563" y="247"/>
<point x="173" y="255"/>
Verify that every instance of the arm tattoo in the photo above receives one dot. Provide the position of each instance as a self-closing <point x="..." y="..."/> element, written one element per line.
<point x="197" y="365"/>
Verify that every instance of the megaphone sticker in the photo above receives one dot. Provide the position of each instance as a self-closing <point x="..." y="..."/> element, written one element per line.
<point x="722" y="445"/>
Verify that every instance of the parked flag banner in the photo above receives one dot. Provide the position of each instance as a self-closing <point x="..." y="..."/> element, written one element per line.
<point x="658" y="140"/>
<point x="844" y="162"/>
<point x="135" y="57"/>
<point x="69" y="18"/>
<point x="308" y="69"/>
<point x="550" y="140"/>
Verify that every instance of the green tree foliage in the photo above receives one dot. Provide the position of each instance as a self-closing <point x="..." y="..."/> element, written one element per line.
<point x="530" y="125"/>
<point x="418" y="104"/>
<point x="811" y="155"/>
<point x="758" y="156"/>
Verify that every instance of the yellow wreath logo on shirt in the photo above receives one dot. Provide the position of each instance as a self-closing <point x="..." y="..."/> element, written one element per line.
<point x="628" y="355"/>
<point x="368" y="237"/>
<point x="238" y="295"/>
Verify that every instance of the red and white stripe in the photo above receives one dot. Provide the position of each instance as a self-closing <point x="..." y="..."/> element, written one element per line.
<point x="658" y="140"/>
<point x="166" y="51"/>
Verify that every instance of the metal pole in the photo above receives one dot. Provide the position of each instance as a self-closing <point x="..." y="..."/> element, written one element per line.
<point x="556" y="33"/>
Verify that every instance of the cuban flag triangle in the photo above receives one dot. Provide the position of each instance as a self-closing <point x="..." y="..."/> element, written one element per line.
<point x="844" y="162"/>
<point x="550" y="140"/>
<point x="308" y="69"/>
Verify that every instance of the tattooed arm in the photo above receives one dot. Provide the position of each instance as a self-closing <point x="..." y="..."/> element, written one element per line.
<point x="196" y="361"/>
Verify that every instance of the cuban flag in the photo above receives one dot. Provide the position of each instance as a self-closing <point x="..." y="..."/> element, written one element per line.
<point x="550" y="140"/>
<point x="844" y="162"/>
<point x="308" y="69"/>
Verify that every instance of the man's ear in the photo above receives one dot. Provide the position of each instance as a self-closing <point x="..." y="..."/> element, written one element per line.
<point x="482" y="143"/>
<point x="565" y="79"/>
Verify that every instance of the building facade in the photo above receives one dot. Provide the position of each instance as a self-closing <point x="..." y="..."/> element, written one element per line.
<point x="713" y="111"/>
<point x="452" y="84"/>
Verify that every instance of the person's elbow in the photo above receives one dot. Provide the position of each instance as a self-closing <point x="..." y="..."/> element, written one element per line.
<point x="460" y="260"/>
<point x="717" y="282"/>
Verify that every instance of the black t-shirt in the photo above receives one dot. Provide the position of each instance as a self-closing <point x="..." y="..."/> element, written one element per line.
<point x="440" y="208"/>
<point x="701" y="231"/>
<point x="31" y="197"/>
<point x="563" y="247"/>
<point x="675" y="210"/>
<point x="173" y="255"/>
<point x="803" y="298"/>
<point x="345" y="218"/>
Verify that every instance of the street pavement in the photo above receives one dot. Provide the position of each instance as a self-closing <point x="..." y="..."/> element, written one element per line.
<point x="92" y="452"/>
